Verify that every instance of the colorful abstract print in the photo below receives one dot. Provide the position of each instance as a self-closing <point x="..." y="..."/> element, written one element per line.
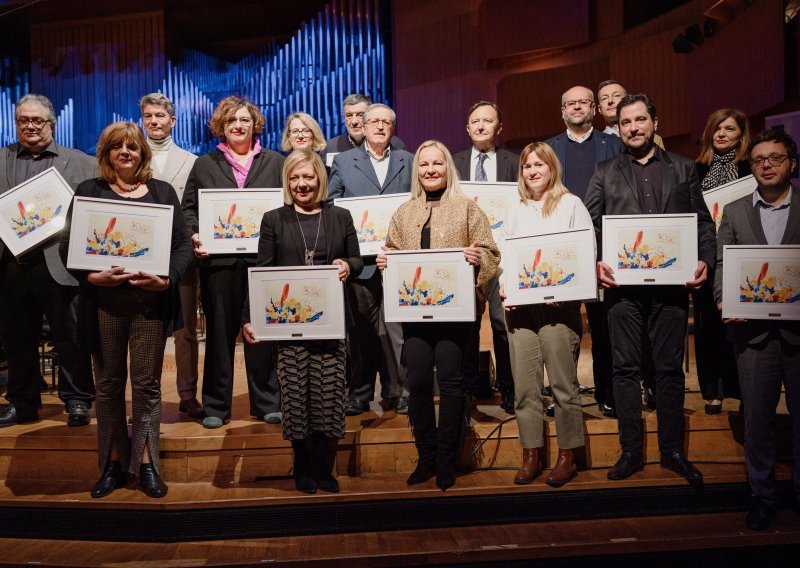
<point x="495" y="209"/>
<point x="290" y="309"/>
<point x="371" y="230"/>
<point x="31" y="217"/>
<point x="649" y="249"/>
<point x="120" y="242"/>
<point x="233" y="226"/>
<point x="436" y="290"/>
<point x="556" y="270"/>
<point x="761" y="286"/>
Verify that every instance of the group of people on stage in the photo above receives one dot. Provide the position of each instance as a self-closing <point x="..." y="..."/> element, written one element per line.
<point x="568" y="182"/>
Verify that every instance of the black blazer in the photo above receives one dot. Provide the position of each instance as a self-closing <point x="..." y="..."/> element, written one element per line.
<point x="507" y="164"/>
<point x="212" y="170"/>
<point x="281" y="243"/>
<point x="612" y="191"/>
<point x="742" y="169"/>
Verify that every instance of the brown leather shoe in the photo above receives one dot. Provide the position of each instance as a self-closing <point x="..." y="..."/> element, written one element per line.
<point x="565" y="469"/>
<point x="531" y="467"/>
<point x="191" y="407"/>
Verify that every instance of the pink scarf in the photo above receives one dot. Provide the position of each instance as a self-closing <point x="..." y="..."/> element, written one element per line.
<point x="240" y="171"/>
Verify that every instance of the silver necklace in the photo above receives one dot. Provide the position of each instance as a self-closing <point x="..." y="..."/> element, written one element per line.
<point x="308" y="255"/>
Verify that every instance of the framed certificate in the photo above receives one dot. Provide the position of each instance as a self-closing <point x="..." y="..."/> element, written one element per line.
<point x="651" y="249"/>
<point x="371" y="216"/>
<point x="555" y="267"/>
<point x="230" y="219"/>
<point x="494" y="199"/>
<point x="34" y="211"/>
<point x="716" y="199"/>
<point x="106" y="233"/>
<point x="761" y="282"/>
<point x="297" y="302"/>
<point x="428" y="285"/>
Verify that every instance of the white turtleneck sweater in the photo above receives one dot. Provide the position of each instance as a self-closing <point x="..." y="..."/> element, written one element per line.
<point x="160" y="149"/>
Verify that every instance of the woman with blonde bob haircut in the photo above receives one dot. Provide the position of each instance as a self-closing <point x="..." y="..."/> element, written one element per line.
<point x="302" y="132"/>
<point x="545" y="335"/>
<point x="293" y="160"/>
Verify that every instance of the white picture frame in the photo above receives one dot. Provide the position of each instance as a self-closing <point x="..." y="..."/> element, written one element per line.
<point x="666" y="242"/>
<point x="553" y="267"/>
<point x="716" y="199"/>
<point x="761" y="282"/>
<point x="494" y="199"/>
<point x="106" y="232"/>
<point x="34" y="211"/>
<point x="442" y="277"/>
<point x="230" y="219"/>
<point x="277" y="293"/>
<point x="371" y="217"/>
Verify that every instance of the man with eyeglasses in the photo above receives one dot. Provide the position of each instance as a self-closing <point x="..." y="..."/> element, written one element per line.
<point x="353" y="107"/>
<point x="36" y="284"/>
<point x="374" y="168"/>
<point x="767" y="352"/>
<point x="579" y="149"/>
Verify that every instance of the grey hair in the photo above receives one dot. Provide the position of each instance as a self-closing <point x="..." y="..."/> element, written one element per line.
<point x="40" y="99"/>
<point x="355" y="98"/>
<point x="158" y="99"/>
<point x="376" y="106"/>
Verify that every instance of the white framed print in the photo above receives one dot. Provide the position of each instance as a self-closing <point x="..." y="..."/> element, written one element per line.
<point x="230" y="219"/>
<point x="553" y="267"/>
<point x="761" y="282"/>
<point x="371" y="217"/>
<point x="716" y="199"/>
<point x="34" y="211"/>
<point x="494" y="199"/>
<point x="651" y="249"/>
<point x="428" y="285"/>
<point x="107" y="233"/>
<point x="296" y="302"/>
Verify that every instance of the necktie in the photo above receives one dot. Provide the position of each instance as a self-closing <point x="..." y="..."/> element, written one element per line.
<point x="480" y="172"/>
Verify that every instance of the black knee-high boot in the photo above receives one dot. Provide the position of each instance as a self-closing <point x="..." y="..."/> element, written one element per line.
<point x="448" y="439"/>
<point x="324" y="458"/>
<point x="422" y="416"/>
<point x="302" y="468"/>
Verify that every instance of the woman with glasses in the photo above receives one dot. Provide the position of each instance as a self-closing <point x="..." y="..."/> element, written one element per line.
<point x="722" y="159"/>
<point x="238" y="162"/>
<point x="302" y="133"/>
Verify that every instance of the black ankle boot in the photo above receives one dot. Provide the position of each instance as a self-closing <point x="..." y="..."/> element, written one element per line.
<point x="150" y="481"/>
<point x="112" y="478"/>
<point x="324" y="458"/>
<point x="422" y="416"/>
<point x="448" y="439"/>
<point x="302" y="468"/>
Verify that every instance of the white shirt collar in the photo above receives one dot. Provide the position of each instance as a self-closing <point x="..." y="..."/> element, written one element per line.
<point x="579" y="139"/>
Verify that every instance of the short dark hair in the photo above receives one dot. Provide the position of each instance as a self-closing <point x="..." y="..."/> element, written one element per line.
<point x="608" y="82"/>
<point x="356" y="98"/>
<point x="777" y="136"/>
<point x="486" y="103"/>
<point x="628" y="100"/>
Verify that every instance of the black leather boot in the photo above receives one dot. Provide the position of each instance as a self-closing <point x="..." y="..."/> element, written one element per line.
<point x="302" y="468"/>
<point x="150" y="481"/>
<point x="112" y="478"/>
<point x="448" y="439"/>
<point x="323" y="461"/>
<point x="422" y="416"/>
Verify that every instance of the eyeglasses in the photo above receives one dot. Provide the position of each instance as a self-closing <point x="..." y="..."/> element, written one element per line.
<point x="774" y="160"/>
<point x="242" y="121"/>
<point x="300" y="131"/>
<point x="579" y="102"/>
<point x="36" y="122"/>
<point x="377" y="121"/>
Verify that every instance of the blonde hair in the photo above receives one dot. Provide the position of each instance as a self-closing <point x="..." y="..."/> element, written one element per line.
<point x="555" y="189"/>
<point x="113" y="136"/>
<point x="308" y="121"/>
<point x="453" y="188"/>
<point x="295" y="159"/>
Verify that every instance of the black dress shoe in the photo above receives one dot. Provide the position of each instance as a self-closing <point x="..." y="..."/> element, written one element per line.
<point x="550" y="410"/>
<point x="649" y="398"/>
<point x="678" y="463"/>
<point x="78" y="413"/>
<point x="760" y="514"/>
<point x="507" y="403"/>
<point x="112" y="478"/>
<point x="150" y="481"/>
<point x="401" y="405"/>
<point x="607" y="410"/>
<point x="11" y="417"/>
<point x="713" y="408"/>
<point x="356" y="407"/>
<point x="627" y="464"/>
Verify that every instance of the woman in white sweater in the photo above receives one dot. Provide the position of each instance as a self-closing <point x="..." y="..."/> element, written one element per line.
<point x="545" y="335"/>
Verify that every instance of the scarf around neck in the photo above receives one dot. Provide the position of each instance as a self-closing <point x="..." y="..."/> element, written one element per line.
<point x="240" y="171"/>
<point x="723" y="170"/>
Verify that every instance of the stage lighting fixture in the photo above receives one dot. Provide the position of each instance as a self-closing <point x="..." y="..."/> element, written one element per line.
<point x="709" y="27"/>
<point x="694" y="34"/>
<point x="681" y="44"/>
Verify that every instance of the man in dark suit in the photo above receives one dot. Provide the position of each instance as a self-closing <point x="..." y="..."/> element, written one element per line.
<point x="646" y="180"/>
<point x="767" y="352"/>
<point x="374" y="168"/>
<point x="484" y="161"/>
<point x="37" y="283"/>
<point x="579" y="149"/>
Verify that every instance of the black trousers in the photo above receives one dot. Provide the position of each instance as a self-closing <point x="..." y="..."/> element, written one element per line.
<point x="716" y="360"/>
<point x="601" y="352"/>
<point x="435" y="344"/>
<point x="27" y="293"/>
<point x="661" y="312"/>
<point x="223" y="290"/>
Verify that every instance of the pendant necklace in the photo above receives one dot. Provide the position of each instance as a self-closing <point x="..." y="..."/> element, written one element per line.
<point x="308" y="255"/>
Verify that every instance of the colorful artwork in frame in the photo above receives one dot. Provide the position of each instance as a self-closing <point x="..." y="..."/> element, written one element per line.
<point x="34" y="211"/>
<point x="108" y="232"/>
<point x="293" y="303"/>
<point x="230" y="219"/>
<point x="371" y="217"/>
<point x="651" y="249"/>
<point x="716" y="199"/>
<point x="551" y="267"/>
<point x="428" y="285"/>
<point x="494" y="199"/>
<point x="761" y="282"/>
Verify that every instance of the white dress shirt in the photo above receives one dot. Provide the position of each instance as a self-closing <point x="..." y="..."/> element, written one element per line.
<point x="489" y="164"/>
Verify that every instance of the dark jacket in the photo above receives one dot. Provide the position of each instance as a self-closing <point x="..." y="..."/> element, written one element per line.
<point x="742" y="170"/>
<point x="507" y="164"/>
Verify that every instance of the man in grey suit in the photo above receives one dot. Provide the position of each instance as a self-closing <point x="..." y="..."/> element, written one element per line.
<point x="767" y="352"/>
<point x="484" y="161"/>
<point x="172" y="164"/>
<point x="37" y="284"/>
<point x="646" y="180"/>
<point x="374" y="168"/>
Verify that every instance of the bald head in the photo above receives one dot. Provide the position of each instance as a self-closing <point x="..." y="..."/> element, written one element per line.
<point x="577" y="109"/>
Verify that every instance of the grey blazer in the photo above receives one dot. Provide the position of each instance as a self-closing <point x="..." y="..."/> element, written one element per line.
<point x="507" y="164"/>
<point x="341" y="143"/>
<point x="75" y="167"/>
<point x="176" y="169"/>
